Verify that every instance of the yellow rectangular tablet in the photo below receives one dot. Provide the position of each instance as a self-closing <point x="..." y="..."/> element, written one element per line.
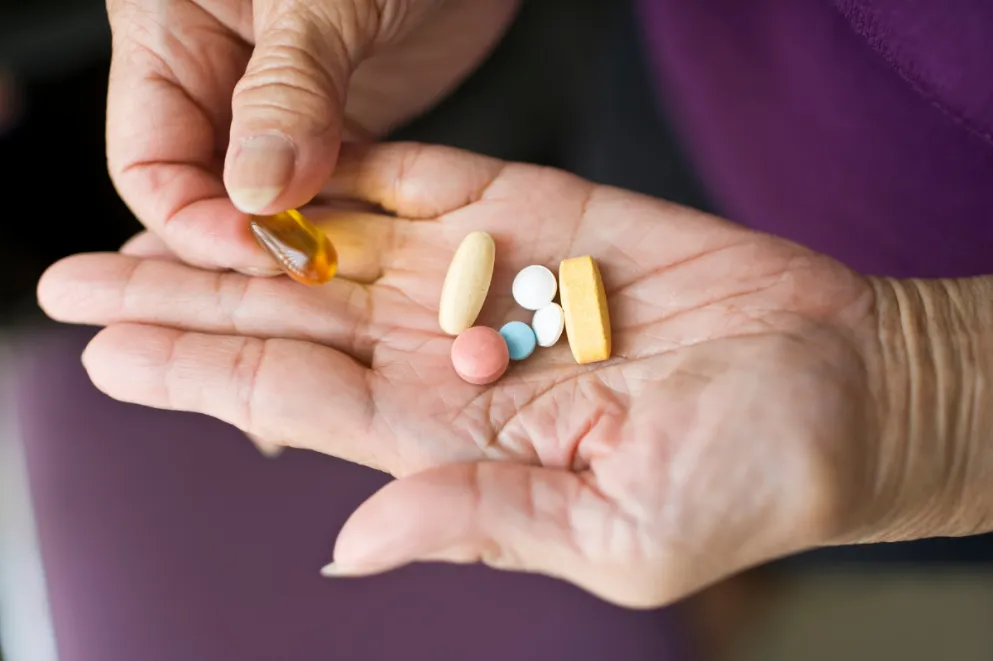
<point x="584" y="301"/>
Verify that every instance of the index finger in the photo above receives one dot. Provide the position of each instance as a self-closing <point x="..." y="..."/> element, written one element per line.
<point x="297" y="393"/>
<point x="168" y="113"/>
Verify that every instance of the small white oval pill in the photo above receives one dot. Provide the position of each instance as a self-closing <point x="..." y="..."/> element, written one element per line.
<point x="534" y="287"/>
<point x="548" y="324"/>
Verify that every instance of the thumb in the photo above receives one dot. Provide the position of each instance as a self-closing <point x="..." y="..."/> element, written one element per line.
<point x="287" y="109"/>
<point x="508" y="516"/>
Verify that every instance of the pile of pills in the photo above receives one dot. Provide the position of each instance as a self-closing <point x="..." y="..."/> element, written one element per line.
<point x="481" y="355"/>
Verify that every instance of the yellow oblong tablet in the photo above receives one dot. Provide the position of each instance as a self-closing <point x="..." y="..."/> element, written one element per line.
<point x="584" y="301"/>
<point x="466" y="283"/>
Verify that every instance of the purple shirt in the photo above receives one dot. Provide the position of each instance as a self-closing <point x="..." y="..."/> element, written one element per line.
<point x="860" y="128"/>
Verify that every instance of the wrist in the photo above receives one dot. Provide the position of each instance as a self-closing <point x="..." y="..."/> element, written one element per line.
<point x="933" y="371"/>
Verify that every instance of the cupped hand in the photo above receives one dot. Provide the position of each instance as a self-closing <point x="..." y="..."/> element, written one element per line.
<point x="737" y="421"/>
<point x="218" y="108"/>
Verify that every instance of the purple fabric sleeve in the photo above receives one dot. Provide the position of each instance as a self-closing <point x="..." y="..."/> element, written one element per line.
<point x="860" y="128"/>
<point x="167" y="536"/>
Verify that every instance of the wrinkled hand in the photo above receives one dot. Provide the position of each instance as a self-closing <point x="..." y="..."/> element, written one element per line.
<point x="211" y="98"/>
<point x="736" y="423"/>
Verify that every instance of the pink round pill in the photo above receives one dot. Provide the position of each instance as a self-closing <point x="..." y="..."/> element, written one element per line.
<point x="480" y="355"/>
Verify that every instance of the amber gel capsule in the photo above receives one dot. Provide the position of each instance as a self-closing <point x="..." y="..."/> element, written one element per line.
<point x="300" y="248"/>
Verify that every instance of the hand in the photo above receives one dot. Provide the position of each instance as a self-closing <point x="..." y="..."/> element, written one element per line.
<point x="183" y="109"/>
<point x="738" y="421"/>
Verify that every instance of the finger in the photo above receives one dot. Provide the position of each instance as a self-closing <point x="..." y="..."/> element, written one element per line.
<point x="412" y="180"/>
<point x="168" y="108"/>
<point x="510" y="516"/>
<point x="146" y="245"/>
<point x="287" y="120"/>
<point x="109" y="288"/>
<point x="312" y="396"/>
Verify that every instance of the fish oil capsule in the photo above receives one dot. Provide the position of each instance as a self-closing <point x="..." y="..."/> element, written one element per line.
<point x="300" y="248"/>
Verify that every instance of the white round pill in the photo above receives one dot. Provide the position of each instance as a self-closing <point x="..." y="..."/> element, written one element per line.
<point x="548" y="323"/>
<point x="534" y="287"/>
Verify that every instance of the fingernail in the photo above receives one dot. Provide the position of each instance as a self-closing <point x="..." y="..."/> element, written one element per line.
<point x="269" y="450"/>
<point x="262" y="167"/>
<point x="260" y="272"/>
<point x="334" y="570"/>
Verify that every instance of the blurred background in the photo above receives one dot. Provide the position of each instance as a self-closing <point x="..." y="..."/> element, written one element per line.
<point x="568" y="88"/>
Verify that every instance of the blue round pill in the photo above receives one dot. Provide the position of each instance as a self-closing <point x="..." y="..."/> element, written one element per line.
<point x="520" y="339"/>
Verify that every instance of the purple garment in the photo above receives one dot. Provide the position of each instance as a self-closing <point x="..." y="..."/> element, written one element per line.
<point x="860" y="128"/>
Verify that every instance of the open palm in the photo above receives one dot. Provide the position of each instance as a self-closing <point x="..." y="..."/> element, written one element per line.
<point x="719" y="435"/>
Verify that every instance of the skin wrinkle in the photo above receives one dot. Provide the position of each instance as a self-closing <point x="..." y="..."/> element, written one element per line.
<point x="488" y="550"/>
<point x="485" y="193"/>
<point x="948" y="397"/>
<point x="167" y="78"/>
<point x="904" y="332"/>
<point x="295" y="75"/>
<point x="397" y="237"/>
<point x="404" y="296"/>
<point x="345" y="35"/>
<point x="575" y="444"/>
<point x="883" y="343"/>
<point x="496" y="432"/>
<point x="169" y="377"/>
<point x="957" y="364"/>
<point x="253" y="366"/>
<point x="405" y="165"/>
<point x="363" y="332"/>
<point x="562" y="507"/>
<point x="501" y="433"/>
<point x="374" y="413"/>
<point x="669" y="318"/>
<point x="483" y="441"/>
<point x="209" y="32"/>
<point x="591" y="482"/>
<point x="287" y="64"/>
<point x="127" y="288"/>
<point x="230" y="290"/>
<point x="164" y="72"/>
<point x="907" y="324"/>
<point x="151" y="172"/>
<point x="980" y="394"/>
<point x="670" y="267"/>
<point x="240" y="21"/>
<point x="970" y="403"/>
<point x="504" y="429"/>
